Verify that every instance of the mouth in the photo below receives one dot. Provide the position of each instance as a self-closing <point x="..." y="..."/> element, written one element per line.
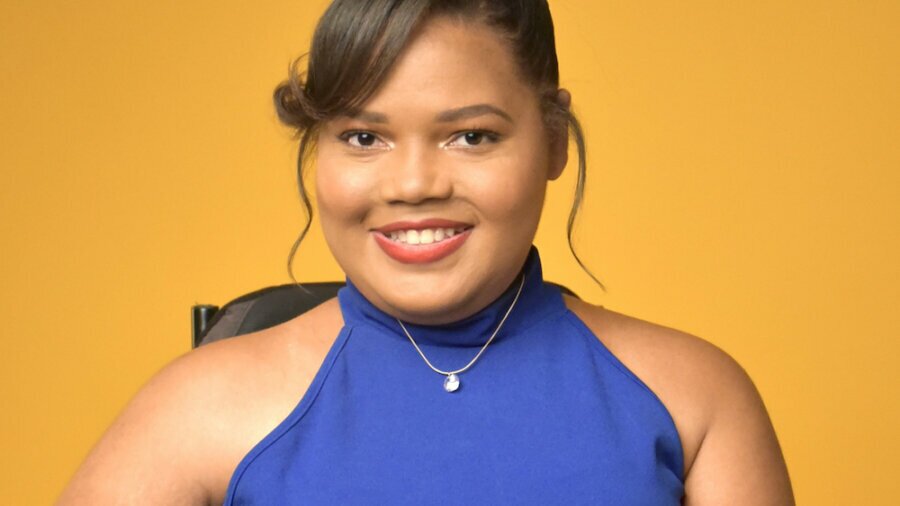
<point x="421" y="242"/>
<point x="424" y="236"/>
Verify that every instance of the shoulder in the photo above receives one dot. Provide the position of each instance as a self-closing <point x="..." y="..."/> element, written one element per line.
<point x="717" y="409"/>
<point x="181" y="437"/>
<point x="683" y="370"/>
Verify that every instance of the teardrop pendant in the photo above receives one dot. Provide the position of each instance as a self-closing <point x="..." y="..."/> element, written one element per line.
<point x="451" y="384"/>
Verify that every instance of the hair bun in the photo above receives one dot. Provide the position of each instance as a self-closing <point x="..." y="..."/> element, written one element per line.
<point x="292" y="103"/>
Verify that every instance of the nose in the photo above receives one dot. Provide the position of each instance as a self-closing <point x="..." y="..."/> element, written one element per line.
<point x="414" y="175"/>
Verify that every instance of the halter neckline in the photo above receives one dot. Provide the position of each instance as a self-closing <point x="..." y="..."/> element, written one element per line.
<point x="474" y="330"/>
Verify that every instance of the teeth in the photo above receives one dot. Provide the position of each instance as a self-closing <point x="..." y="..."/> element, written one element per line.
<point x="424" y="236"/>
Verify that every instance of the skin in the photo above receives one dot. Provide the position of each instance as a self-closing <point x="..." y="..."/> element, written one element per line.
<point x="181" y="438"/>
<point x="418" y="166"/>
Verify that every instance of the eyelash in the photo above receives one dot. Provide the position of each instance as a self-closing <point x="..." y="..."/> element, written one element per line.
<point x="488" y="135"/>
<point x="346" y="136"/>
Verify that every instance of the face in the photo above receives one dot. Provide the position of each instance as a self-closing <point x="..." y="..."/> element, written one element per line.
<point x="430" y="196"/>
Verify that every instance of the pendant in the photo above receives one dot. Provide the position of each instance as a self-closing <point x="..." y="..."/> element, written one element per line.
<point x="451" y="384"/>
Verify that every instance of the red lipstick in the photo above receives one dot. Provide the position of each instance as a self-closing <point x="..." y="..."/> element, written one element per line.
<point x="419" y="225"/>
<point x="421" y="253"/>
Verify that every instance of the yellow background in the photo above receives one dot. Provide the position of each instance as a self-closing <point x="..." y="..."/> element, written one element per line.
<point x="744" y="180"/>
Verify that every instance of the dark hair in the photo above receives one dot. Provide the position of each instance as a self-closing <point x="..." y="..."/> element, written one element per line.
<point x="357" y="42"/>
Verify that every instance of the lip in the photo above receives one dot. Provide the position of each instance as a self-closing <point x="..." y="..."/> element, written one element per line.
<point x="420" y="253"/>
<point x="420" y="225"/>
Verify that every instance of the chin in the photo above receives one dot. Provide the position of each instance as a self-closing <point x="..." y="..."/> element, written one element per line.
<point x="426" y="306"/>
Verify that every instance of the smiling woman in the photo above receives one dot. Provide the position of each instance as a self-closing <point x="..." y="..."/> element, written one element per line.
<point x="437" y="127"/>
<point x="452" y="134"/>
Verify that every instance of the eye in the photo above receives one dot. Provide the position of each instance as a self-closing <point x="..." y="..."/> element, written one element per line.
<point x="474" y="138"/>
<point x="361" y="140"/>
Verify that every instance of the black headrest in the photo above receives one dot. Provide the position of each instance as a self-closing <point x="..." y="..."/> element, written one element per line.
<point x="266" y="308"/>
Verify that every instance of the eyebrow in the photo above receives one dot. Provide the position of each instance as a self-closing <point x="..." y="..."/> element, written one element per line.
<point x="467" y="112"/>
<point x="472" y="111"/>
<point x="369" y="116"/>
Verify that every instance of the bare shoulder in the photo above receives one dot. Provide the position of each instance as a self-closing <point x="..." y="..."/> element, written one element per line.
<point x="717" y="410"/>
<point x="181" y="437"/>
<point x="681" y="369"/>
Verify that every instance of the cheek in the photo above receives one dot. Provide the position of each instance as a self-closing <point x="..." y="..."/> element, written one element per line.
<point x="509" y="202"/>
<point x="342" y="195"/>
<point x="511" y="189"/>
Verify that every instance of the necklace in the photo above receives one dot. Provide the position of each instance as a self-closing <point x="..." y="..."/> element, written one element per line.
<point x="451" y="382"/>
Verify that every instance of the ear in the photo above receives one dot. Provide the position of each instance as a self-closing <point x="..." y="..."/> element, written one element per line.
<point x="559" y="146"/>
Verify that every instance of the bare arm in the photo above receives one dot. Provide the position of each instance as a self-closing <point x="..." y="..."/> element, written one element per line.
<point x="731" y="453"/>
<point x="150" y="453"/>
<point x="739" y="461"/>
<point x="182" y="436"/>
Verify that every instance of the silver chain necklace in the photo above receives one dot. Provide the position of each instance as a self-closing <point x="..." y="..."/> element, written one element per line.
<point x="451" y="382"/>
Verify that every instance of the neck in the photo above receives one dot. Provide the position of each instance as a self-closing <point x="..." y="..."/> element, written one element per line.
<point x="534" y="300"/>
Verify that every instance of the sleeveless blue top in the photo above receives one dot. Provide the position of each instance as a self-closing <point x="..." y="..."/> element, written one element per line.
<point x="547" y="415"/>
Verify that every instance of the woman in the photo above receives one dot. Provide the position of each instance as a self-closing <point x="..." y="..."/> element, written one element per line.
<point x="446" y="371"/>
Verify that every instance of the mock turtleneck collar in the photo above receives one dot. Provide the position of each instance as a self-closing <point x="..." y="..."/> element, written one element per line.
<point x="536" y="301"/>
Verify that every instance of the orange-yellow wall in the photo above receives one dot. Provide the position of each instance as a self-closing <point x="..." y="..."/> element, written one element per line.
<point x="744" y="186"/>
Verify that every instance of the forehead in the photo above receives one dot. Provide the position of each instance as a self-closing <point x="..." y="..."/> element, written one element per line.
<point x="451" y="63"/>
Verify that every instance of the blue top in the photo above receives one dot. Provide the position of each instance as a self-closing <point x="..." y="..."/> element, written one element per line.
<point x="547" y="415"/>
